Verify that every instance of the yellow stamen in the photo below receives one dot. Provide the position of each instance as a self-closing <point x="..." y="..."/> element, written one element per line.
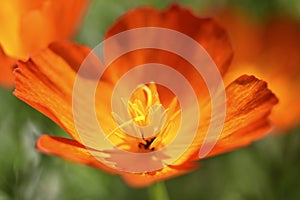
<point x="139" y="110"/>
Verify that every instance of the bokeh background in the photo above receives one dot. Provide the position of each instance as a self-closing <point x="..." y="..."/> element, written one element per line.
<point x="268" y="169"/>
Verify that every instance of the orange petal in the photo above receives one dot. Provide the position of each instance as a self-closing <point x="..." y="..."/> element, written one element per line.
<point x="29" y="25"/>
<point x="46" y="81"/>
<point x="6" y="66"/>
<point x="51" y="73"/>
<point x="73" y="54"/>
<point x="205" y="31"/>
<point x="249" y="103"/>
<point x="71" y="150"/>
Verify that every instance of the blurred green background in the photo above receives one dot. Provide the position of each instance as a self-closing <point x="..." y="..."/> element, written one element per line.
<point x="268" y="169"/>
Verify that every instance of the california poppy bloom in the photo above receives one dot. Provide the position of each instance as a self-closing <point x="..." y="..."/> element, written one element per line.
<point x="270" y="50"/>
<point x="28" y="26"/>
<point x="46" y="82"/>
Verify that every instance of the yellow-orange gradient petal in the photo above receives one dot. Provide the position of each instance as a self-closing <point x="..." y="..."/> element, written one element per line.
<point x="270" y="50"/>
<point x="30" y="25"/>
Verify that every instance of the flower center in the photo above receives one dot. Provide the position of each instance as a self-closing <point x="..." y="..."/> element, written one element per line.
<point x="143" y="123"/>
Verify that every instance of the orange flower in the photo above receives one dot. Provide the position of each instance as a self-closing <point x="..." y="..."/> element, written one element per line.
<point x="29" y="25"/>
<point x="46" y="82"/>
<point x="271" y="51"/>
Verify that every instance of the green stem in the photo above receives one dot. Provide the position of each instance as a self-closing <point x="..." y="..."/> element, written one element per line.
<point x="158" y="191"/>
